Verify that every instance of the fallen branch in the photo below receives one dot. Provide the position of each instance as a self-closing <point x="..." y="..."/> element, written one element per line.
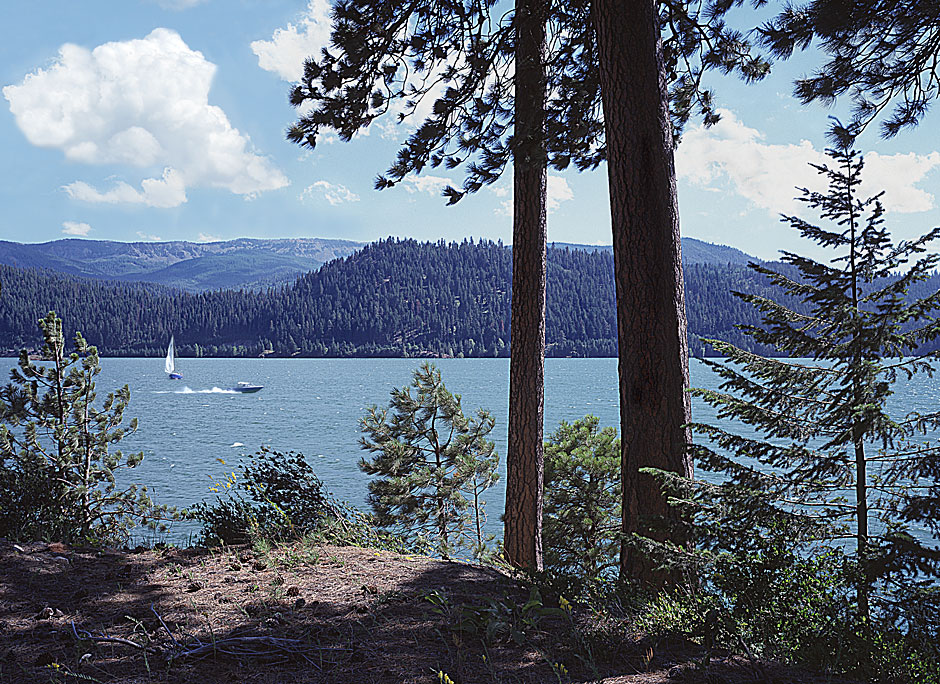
<point x="250" y="646"/>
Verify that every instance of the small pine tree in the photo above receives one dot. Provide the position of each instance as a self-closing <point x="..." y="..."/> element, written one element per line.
<point x="57" y="469"/>
<point x="833" y="463"/>
<point x="582" y="499"/>
<point x="427" y="454"/>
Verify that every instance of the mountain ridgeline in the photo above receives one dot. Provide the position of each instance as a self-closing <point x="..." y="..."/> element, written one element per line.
<point x="391" y="298"/>
<point x="245" y="263"/>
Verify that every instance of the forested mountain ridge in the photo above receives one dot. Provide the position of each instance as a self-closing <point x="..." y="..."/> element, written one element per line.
<point x="246" y="263"/>
<point x="693" y="252"/>
<point x="391" y="298"/>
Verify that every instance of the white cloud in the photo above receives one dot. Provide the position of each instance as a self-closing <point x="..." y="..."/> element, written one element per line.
<point x="557" y="191"/>
<point x="897" y="174"/>
<point x="74" y="228"/>
<point x="333" y="193"/>
<point x="767" y="175"/>
<point x="141" y="103"/>
<point x="179" y="4"/>
<point x="500" y="188"/>
<point x="148" y="238"/>
<point x="205" y="237"/>
<point x="163" y="193"/>
<point x="289" y="47"/>
<point x="429" y="185"/>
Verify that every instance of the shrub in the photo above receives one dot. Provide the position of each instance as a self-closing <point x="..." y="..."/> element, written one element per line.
<point x="276" y="496"/>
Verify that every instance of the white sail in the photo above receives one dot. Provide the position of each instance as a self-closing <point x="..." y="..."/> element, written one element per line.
<point x="171" y="356"/>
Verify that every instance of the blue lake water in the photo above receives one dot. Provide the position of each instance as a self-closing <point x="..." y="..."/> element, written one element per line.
<point x="314" y="406"/>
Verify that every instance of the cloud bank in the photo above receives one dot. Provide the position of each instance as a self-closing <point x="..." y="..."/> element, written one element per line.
<point x="141" y="103"/>
<point x="333" y="193"/>
<point x="289" y="47"/>
<point x="730" y="155"/>
<point x="75" y="228"/>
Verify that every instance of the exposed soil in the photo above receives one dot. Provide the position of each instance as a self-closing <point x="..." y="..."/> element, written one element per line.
<point x="301" y="614"/>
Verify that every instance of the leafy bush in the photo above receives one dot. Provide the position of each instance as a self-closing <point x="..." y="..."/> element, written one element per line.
<point x="277" y="496"/>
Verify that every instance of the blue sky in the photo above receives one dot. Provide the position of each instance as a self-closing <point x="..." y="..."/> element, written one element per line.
<point x="165" y="119"/>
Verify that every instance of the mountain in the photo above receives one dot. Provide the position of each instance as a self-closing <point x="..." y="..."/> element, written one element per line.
<point x="246" y="263"/>
<point x="693" y="252"/>
<point x="390" y="298"/>
<point x="192" y="266"/>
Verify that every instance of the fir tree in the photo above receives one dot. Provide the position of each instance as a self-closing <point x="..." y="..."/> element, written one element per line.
<point x="426" y="454"/>
<point x="582" y="499"/>
<point x="832" y="463"/>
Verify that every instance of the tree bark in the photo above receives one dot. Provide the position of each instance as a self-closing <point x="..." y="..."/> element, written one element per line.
<point x="651" y="323"/>
<point x="524" y="457"/>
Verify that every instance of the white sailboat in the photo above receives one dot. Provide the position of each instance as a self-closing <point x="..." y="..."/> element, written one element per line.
<point x="171" y="361"/>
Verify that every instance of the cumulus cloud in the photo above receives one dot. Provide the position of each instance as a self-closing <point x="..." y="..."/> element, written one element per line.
<point x="733" y="155"/>
<point x="74" y="228"/>
<point x="335" y="194"/>
<point x="285" y="53"/>
<point x="149" y="238"/>
<point x="163" y="193"/>
<point x="428" y="185"/>
<point x="557" y="191"/>
<point x="205" y="237"/>
<point x="141" y="103"/>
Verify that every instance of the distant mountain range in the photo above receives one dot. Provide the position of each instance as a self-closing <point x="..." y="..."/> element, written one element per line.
<point x="246" y="263"/>
<point x="389" y="298"/>
<point x="192" y="266"/>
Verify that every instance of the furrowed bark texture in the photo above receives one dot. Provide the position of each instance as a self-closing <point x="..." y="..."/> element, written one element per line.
<point x="651" y="323"/>
<point x="524" y="457"/>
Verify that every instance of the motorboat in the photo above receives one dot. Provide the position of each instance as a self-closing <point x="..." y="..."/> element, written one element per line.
<point x="247" y="388"/>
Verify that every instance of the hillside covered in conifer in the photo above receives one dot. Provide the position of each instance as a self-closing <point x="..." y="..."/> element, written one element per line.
<point x="392" y="298"/>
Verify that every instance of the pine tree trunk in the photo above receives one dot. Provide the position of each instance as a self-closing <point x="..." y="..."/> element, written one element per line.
<point x="524" y="457"/>
<point x="651" y="323"/>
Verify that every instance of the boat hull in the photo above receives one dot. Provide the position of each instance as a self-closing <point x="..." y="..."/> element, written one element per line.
<point x="248" y="390"/>
<point x="175" y="376"/>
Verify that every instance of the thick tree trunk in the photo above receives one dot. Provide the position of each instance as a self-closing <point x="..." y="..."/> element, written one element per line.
<point x="651" y="323"/>
<point x="524" y="457"/>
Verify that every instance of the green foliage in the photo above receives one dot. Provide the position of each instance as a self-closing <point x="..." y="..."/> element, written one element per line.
<point x="494" y="621"/>
<point x="427" y="456"/>
<point x="387" y="58"/>
<point x="581" y="517"/>
<point x="883" y="55"/>
<point x="57" y="467"/>
<point x="830" y="467"/>
<point x="277" y="497"/>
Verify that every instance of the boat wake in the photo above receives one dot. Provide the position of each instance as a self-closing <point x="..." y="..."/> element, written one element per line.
<point x="189" y="390"/>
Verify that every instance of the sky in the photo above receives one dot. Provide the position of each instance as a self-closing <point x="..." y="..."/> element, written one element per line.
<point x="138" y="120"/>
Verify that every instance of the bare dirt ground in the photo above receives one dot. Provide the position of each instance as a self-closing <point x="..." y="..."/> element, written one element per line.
<point x="303" y="614"/>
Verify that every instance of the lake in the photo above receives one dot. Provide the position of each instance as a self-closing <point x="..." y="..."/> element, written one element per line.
<point x="314" y="405"/>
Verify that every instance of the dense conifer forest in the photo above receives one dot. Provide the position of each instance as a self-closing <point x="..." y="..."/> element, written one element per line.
<point x="392" y="298"/>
